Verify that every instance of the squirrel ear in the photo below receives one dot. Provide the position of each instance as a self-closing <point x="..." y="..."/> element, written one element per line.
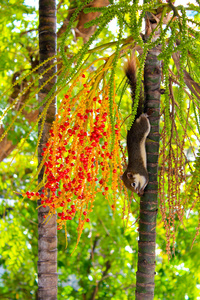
<point x="129" y="175"/>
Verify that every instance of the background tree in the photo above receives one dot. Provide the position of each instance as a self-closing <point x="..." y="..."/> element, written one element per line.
<point x="167" y="176"/>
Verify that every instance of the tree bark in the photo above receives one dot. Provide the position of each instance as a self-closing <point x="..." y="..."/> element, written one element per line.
<point x="148" y="203"/>
<point x="47" y="233"/>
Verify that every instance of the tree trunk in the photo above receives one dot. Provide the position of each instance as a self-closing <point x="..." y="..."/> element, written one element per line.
<point x="47" y="233"/>
<point x="148" y="203"/>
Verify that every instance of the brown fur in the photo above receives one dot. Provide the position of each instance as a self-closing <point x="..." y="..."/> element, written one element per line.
<point x="136" y="138"/>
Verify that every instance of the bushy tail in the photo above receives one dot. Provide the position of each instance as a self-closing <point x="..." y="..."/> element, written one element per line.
<point x="130" y="71"/>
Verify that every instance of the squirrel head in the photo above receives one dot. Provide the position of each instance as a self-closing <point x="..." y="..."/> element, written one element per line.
<point x="135" y="182"/>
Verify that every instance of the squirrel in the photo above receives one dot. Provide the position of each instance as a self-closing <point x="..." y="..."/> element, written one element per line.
<point x="135" y="177"/>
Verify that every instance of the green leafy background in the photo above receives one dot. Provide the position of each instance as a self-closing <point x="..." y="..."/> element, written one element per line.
<point x="107" y="253"/>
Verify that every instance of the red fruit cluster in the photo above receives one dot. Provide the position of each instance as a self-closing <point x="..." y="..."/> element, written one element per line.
<point x="76" y="155"/>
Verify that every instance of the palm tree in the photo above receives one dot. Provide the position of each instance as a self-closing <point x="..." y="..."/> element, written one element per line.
<point x="148" y="203"/>
<point x="47" y="233"/>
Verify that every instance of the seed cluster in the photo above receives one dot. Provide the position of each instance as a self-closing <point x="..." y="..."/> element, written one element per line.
<point x="78" y="159"/>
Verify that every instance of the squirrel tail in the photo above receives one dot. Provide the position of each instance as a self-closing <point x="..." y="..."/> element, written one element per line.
<point x="130" y="71"/>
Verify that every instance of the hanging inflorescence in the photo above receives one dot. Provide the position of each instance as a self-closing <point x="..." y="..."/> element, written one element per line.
<point x="178" y="191"/>
<point x="78" y="160"/>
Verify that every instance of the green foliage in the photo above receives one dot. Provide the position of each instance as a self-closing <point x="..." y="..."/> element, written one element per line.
<point x="179" y="277"/>
<point x="14" y="21"/>
<point x="18" y="230"/>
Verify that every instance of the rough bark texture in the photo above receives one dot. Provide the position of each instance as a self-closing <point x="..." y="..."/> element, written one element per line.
<point x="80" y="30"/>
<point x="148" y="204"/>
<point x="47" y="240"/>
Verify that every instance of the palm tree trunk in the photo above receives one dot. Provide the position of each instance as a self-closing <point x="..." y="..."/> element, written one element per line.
<point x="148" y="204"/>
<point x="47" y="233"/>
